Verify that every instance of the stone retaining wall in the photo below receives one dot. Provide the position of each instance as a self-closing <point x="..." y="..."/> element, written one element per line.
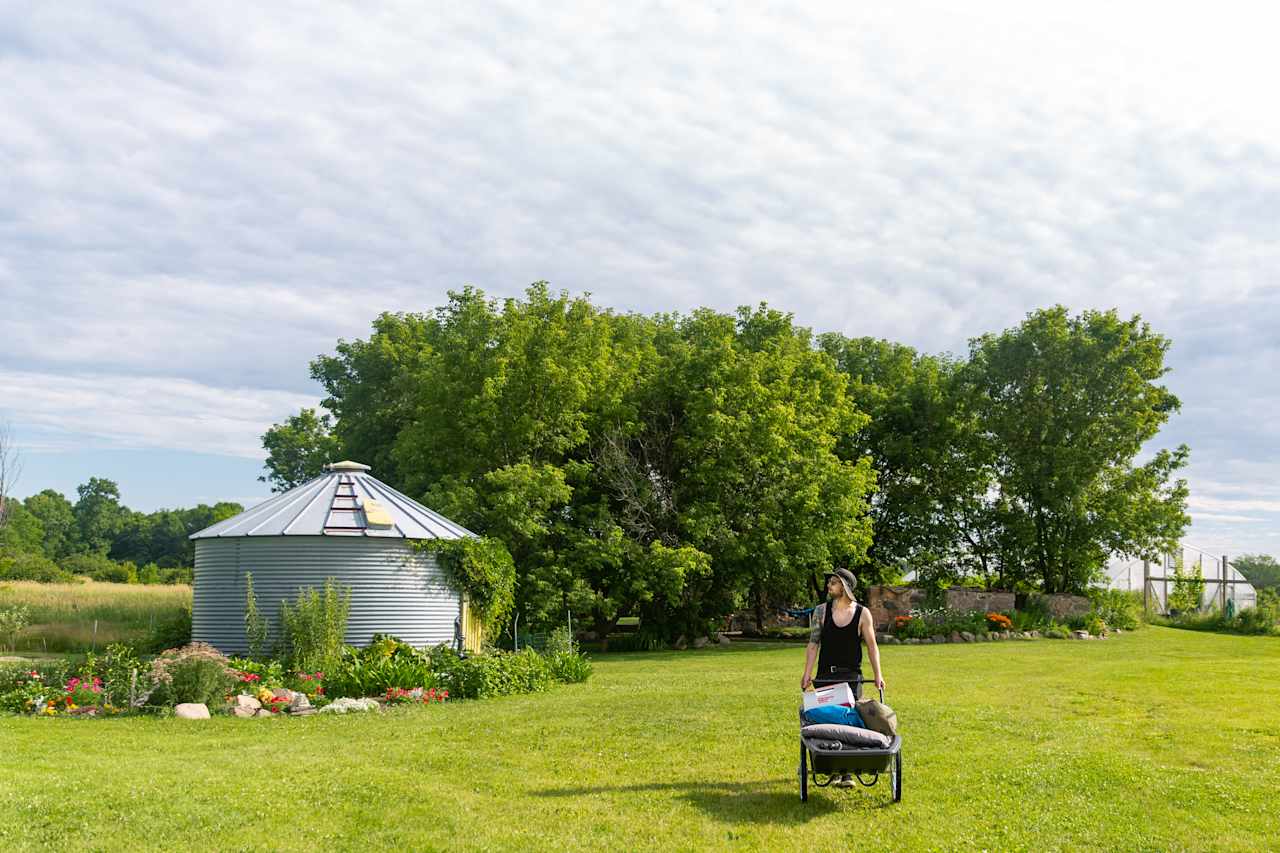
<point x="1062" y="605"/>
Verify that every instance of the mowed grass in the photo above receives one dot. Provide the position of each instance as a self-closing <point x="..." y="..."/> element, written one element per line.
<point x="1156" y="740"/>
<point x="63" y="615"/>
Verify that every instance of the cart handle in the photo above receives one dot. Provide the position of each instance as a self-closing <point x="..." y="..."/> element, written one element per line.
<point x="862" y="680"/>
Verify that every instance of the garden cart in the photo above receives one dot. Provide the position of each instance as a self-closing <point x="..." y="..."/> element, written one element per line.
<point x="866" y="764"/>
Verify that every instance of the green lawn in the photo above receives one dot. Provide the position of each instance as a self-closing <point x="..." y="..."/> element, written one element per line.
<point x="1159" y="740"/>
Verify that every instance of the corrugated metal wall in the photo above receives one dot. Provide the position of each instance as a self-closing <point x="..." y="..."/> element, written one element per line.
<point x="393" y="589"/>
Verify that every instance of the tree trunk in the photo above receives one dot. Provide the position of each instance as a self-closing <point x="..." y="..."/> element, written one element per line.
<point x="758" y="607"/>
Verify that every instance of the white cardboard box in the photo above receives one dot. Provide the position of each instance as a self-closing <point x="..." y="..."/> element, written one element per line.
<point x="836" y="694"/>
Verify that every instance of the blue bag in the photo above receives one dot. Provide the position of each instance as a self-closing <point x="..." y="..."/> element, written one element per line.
<point x="840" y="715"/>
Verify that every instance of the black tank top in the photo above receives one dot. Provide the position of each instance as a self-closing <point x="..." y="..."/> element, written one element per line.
<point x="840" y="652"/>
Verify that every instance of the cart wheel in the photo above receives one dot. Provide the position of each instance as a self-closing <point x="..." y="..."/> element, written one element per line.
<point x="897" y="777"/>
<point x="804" y="774"/>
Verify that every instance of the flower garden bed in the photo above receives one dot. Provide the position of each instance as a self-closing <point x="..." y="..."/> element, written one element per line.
<point x="196" y="681"/>
<point x="924" y="626"/>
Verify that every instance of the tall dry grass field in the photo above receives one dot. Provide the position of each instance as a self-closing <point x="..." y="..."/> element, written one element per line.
<point x="76" y="617"/>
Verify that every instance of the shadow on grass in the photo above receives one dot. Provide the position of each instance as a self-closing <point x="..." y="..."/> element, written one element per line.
<point x="746" y="802"/>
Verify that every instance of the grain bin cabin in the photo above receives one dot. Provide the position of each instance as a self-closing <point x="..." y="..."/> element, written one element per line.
<point x="344" y="524"/>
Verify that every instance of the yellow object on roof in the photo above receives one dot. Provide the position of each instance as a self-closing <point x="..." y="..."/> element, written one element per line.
<point x="376" y="515"/>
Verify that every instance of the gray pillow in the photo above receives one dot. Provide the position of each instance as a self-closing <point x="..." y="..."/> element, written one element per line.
<point x="852" y="735"/>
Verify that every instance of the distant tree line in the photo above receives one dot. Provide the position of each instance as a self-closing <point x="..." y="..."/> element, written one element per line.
<point x="47" y="537"/>
<point x="681" y="467"/>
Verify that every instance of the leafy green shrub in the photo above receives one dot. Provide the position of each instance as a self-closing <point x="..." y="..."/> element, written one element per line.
<point x="23" y="690"/>
<point x="113" y="572"/>
<point x="51" y="671"/>
<point x="1033" y="614"/>
<point x="1078" y="623"/>
<point x="171" y="632"/>
<point x="117" y="668"/>
<point x="268" y="674"/>
<point x="569" y="667"/>
<point x="386" y="663"/>
<point x="86" y="564"/>
<point x="314" y="626"/>
<point x="1056" y="632"/>
<point x="1029" y="620"/>
<point x="32" y="567"/>
<point x="182" y="574"/>
<point x="1188" y="587"/>
<point x="1118" y="608"/>
<point x="560" y="640"/>
<point x="494" y="673"/>
<point x="1254" y="620"/>
<point x="194" y="673"/>
<point x="12" y="620"/>
<point x="1094" y="625"/>
<point x="149" y="574"/>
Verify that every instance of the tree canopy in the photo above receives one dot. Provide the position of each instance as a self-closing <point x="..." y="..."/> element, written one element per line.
<point x="680" y="467"/>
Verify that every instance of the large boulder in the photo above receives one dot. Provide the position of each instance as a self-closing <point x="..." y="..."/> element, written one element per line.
<point x="701" y="643"/>
<point x="191" y="711"/>
<point x="723" y="639"/>
<point x="300" y="702"/>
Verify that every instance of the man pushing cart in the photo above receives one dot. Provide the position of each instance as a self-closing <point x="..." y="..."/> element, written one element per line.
<point x="838" y="630"/>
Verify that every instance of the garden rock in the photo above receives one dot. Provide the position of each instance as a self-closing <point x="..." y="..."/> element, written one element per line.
<point x="283" y="693"/>
<point x="966" y="636"/>
<point x="1079" y="635"/>
<point x="680" y="644"/>
<point x="243" y="712"/>
<point x="722" y="639"/>
<point x="701" y="643"/>
<point x="249" y="702"/>
<point x="955" y="637"/>
<point x="301" y="711"/>
<point x="191" y="711"/>
<point x="263" y="712"/>
<point x="299" y="702"/>
<point x="939" y="639"/>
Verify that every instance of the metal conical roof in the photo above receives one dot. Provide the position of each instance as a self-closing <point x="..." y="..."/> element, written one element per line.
<point x="344" y="501"/>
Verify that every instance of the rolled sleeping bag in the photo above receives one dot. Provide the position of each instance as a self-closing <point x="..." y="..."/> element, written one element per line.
<point x="849" y="735"/>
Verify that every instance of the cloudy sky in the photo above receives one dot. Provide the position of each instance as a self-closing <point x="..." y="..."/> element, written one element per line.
<point x="196" y="200"/>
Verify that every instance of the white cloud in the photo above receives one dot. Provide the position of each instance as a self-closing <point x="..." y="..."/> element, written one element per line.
<point x="112" y="411"/>
<point x="207" y="196"/>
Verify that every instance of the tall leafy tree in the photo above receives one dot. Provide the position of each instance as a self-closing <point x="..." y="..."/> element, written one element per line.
<point x="298" y="449"/>
<point x="761" y="487"/>
<point x="22" y="532"/>
<point x="1262" y="570"/>
<point x="58" y="520"/>
<point x="1068" y="403"/>
<point x="99" y="515"/>
<point x="659" y="464"/>
<point x="931" y="512"/>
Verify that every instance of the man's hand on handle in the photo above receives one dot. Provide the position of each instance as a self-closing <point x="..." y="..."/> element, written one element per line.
<point x="805" y="681"/>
